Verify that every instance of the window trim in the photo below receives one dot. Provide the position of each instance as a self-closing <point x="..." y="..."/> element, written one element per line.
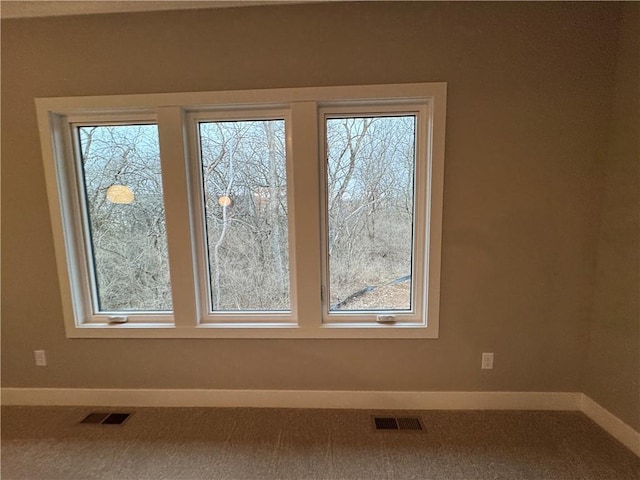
<point x="172" y="111"/>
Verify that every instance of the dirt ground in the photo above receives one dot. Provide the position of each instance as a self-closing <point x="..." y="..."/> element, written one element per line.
<point x="392" y="297"/>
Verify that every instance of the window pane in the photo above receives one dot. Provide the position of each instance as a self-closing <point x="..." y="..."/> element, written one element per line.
<point x="123" y="192"/>
<point x="370" y="202"/>
<point x="245" y="189"/>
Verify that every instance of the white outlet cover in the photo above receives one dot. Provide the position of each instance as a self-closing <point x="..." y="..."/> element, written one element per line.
<point x="40" y="358"/>
<point x="487" y="361"/>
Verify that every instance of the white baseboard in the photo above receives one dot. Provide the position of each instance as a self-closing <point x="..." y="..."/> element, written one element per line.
<point x="611" y="424"/>
<point x="293" y="399"/>
<point x="374" y="400"/>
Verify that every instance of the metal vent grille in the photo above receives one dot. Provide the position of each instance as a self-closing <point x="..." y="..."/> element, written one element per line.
<point x="106" y="418"/>
<point x="409" y="423"/>
<point x="95" y="417"/>
<point x="385" y="423"/>
<point x="397" y="423"/>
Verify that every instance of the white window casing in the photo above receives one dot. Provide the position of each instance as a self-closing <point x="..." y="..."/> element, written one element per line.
<point x="304" y="112"/>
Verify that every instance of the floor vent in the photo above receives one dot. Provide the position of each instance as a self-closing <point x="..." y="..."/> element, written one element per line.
<point x="398" y="423"/>
<point x="103" y="418"/>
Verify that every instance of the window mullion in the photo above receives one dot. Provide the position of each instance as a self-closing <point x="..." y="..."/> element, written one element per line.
<point x="174" y="159"/>
<point x="306" y="197"/>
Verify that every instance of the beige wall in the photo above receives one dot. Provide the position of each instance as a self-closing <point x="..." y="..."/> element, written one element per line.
<point x="612" y="373"/>
<point x="527" y="101"/>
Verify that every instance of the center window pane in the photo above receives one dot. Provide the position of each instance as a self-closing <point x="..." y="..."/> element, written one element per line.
<point x="245" y="196"/>
<point x="370" y="212"/>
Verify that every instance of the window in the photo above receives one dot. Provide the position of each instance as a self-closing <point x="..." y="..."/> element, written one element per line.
<point x="123" y="212"/>
<point x="370" y="172"/>
<point x="242" y="193"/>
<point x="310" y="213"/>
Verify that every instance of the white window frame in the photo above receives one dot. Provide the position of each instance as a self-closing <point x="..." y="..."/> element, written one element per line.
<point x="419" y="282"/>
<point x="230" y="318"/>
<point x="85" y="276"/>
<point x="176" y="115"/>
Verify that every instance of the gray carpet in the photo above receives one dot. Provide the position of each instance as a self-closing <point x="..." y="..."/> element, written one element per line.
<point x="240" y="443"/>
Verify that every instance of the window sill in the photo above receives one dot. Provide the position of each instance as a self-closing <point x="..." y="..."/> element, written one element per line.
<point x="271" y="330"/>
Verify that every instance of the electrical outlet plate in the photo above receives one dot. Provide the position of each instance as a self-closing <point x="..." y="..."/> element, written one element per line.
<point x="487" y="361"/>
<point x="40" y="358"/>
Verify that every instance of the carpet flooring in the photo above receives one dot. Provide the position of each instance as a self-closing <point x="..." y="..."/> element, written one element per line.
<point x="244" y="443"/>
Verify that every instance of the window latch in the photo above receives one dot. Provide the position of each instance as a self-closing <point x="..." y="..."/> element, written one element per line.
<point x="386" y="318"/>
<point x="116" y="319"/>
